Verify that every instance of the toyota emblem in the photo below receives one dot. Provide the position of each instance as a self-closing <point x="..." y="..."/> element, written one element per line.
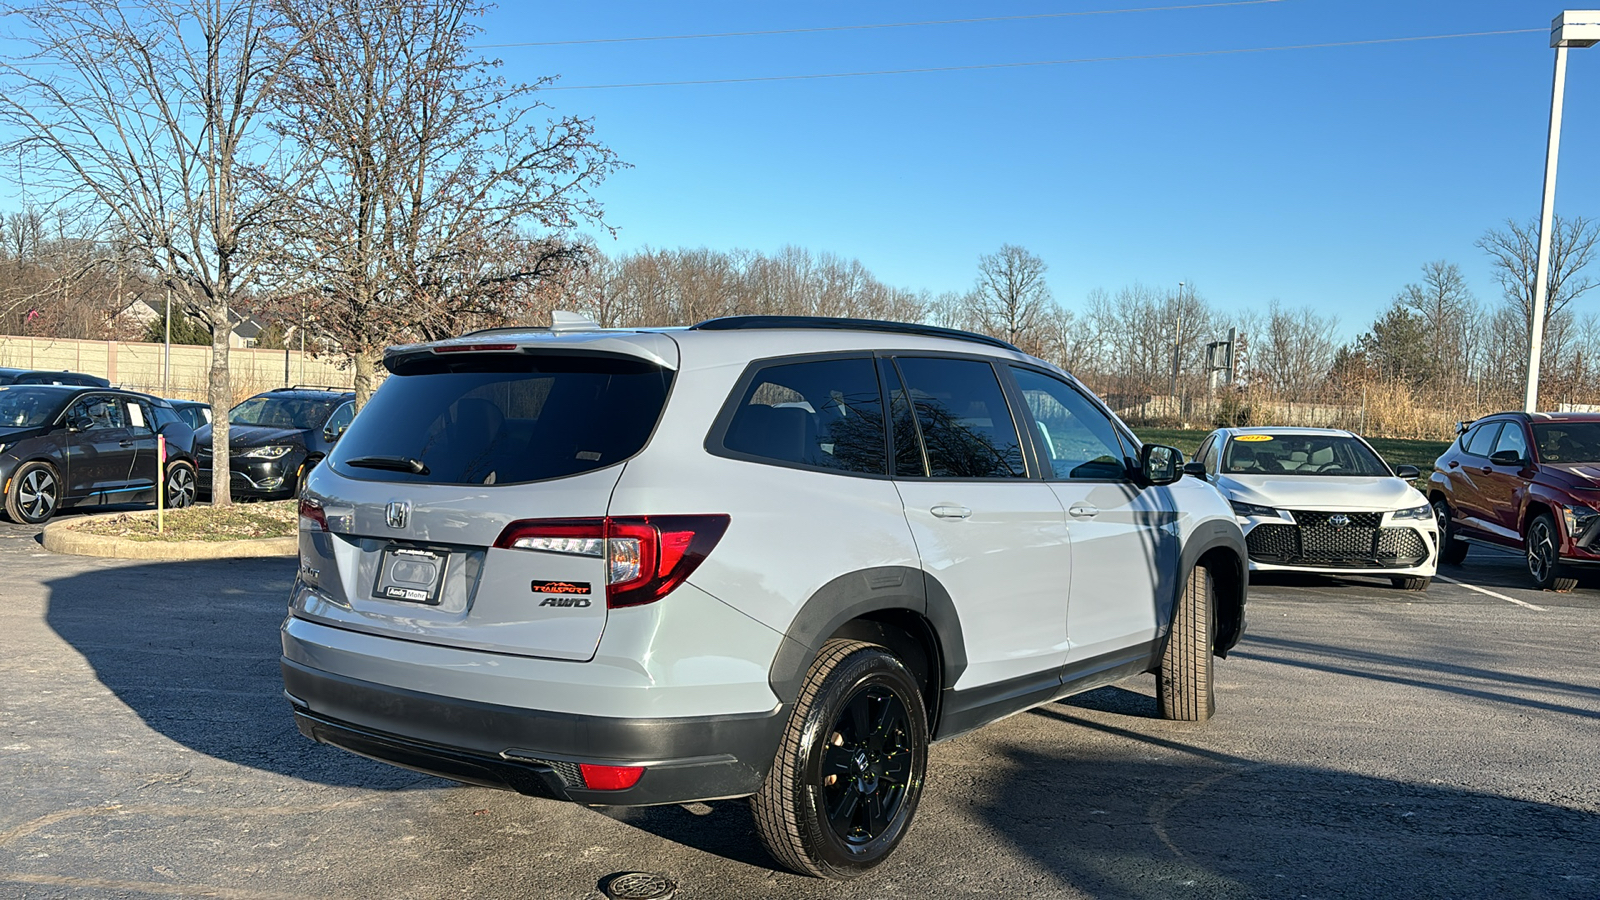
<point x="397" y="513"/>
<point x="1338" y="520"/>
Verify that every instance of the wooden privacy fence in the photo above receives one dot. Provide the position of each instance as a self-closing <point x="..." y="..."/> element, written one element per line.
<point x="140" y="366"/>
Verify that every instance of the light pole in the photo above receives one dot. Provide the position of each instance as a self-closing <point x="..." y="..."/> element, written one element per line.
<point x="1573" y="28"/>
<point x="1177" y="332"/>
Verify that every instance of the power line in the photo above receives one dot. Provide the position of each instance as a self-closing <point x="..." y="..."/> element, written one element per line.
<point x="1044" y="62"/>
<point x="829" y="28"/>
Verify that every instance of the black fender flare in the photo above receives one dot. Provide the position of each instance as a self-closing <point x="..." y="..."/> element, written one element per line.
<point x="857" y="594"/>
<point x="1210" y="535"/>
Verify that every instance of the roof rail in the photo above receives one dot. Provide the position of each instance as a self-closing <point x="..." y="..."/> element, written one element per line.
<point x="741" y="323"/>
<point x="315" y="387"/>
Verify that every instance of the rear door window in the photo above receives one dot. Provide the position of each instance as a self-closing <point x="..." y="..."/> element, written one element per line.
<point x="1481" y="439"/>
<point x="963" y="418"/>
<point x="504" y="420"/>
<point x="825" y="414"/>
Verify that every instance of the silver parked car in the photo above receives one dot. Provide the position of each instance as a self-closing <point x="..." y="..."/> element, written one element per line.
<point x="762" y="557"/>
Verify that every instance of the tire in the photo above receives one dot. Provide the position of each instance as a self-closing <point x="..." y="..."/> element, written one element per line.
<point x="305" y="476"/>
<point x="1542" y="545"/>
<point x="1183" y="686"/>
<point x="1452" y="550"/>
<point x="1411" y="582"/>
<point x="35" y="493"/>
<point x="848" y="774"/>
<point x="181" y="487"/>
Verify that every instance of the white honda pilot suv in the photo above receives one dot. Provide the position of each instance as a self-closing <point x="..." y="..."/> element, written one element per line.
<point x="764" y="557"/>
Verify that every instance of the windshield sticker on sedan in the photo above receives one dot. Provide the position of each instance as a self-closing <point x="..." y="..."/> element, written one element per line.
<point x="1252" y="438"/>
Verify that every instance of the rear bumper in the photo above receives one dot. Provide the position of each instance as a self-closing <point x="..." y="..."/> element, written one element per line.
<point x="535" y="752"/>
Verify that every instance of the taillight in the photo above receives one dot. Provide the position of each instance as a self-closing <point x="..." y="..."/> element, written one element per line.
<point x="646" y="557"/>
<point x="474" y="348"/>
<point x="312" y="516"/>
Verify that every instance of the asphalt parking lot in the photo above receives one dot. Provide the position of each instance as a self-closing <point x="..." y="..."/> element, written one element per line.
<point x="1369" y="743"/>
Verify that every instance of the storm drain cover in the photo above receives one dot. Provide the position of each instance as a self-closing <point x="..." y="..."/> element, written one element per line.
<point x="641" y="886"/>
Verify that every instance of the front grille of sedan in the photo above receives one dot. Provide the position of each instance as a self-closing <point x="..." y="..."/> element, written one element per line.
<point x="1357" y="542"/>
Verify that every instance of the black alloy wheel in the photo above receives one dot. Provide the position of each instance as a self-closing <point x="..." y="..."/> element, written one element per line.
<point x="35" y="494"/>
<point x="847" y="776"/>
<point x="865" y="767"/>
<point x="1452" y="550"/>
<point x="1543" y="547"/>
<point x="181" y="486"/>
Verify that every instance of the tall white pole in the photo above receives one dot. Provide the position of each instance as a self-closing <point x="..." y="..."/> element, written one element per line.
<point x="1541" y="278"/>
<point x="166" y="354"/>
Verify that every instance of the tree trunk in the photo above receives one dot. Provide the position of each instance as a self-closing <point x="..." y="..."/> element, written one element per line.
<point x="220" y="391"/>
<point x="366" y="376"/>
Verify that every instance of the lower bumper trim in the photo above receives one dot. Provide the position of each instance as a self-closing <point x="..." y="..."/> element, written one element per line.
<point x="535" y="752"/>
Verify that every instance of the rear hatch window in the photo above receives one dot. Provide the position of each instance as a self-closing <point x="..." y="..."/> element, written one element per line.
<point x="504" y="419"/>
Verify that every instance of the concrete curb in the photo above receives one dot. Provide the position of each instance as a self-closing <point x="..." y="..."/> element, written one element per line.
<point x="61" y="536"/>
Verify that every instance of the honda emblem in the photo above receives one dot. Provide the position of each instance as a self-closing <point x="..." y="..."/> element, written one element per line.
<point x="397" y="513"/>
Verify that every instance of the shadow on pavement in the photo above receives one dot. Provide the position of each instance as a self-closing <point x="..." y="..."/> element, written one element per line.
<point x="192" y="648"/>
<point x="1153" y="815"/>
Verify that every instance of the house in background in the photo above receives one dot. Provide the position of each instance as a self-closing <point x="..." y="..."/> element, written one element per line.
<point x="137" y="316"/>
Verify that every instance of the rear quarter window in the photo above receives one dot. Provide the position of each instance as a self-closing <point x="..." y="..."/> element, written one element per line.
<point x="823" y="414"/>
<point x="504" y="420"/>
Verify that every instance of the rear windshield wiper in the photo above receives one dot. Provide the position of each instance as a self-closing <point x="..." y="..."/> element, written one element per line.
<point x="393" y="463"/>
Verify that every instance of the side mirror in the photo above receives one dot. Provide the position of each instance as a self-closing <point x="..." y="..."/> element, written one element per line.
<point x="1408" y="472"/>
<point x="1194" y="468"/>
<point x="1506" y="458"/>
<point x="1160" y="464"/>
<point x="332" y="435"/>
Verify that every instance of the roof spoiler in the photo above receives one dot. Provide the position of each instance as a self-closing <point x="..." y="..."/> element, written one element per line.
<point x="1461" y="427"/>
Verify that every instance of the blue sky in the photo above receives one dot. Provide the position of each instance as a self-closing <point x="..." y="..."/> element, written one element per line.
<point x="1322" y="177"/>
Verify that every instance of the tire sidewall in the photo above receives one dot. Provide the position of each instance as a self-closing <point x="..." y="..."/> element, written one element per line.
<point x="194" y="484"/>
<point x="1553" y="568"/>
<point x="864" y="669"/>
<point x="14" y="500"/>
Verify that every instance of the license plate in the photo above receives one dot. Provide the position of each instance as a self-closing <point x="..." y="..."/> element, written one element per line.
<point x="411" y="575"/>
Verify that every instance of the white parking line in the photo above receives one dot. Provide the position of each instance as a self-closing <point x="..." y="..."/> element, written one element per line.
<point x="1486" y="591"/>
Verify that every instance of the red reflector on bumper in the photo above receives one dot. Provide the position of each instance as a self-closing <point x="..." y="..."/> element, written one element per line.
<point x="610" y="778"/>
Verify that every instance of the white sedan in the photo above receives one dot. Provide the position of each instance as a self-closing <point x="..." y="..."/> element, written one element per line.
<point x="1322" y="500"/>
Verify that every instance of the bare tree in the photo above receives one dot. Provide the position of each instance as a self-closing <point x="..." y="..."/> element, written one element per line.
<point x="1294" y="349"/>
<point x="1010" y="297"/>
<point x="146" y="114"/>
<point x="1444" y="302"/>
<point x="1514" y="251"/>
<point x="437" y="195"/>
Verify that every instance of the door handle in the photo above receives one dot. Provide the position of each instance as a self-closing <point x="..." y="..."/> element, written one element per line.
<point x="1083" y="511"/>
<point x="1487" y="470"/>
<point x="951" y="512"/>
<point x="1454" y="464"/>
<point x="125" y="444"/>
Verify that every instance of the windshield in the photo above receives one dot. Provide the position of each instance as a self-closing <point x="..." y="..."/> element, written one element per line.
<point x="1301" y="454"/>
<point x="284" y="412"/>
<point x="1568" y="442"/>
<point x="22" y="407"/>
<point x="504" y="420"/>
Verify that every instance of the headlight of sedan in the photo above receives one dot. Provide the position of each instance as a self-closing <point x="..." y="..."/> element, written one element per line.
<point x="1415" y="512"/>
<point x="271" y="451"/>
<point x="1240" y="508"/>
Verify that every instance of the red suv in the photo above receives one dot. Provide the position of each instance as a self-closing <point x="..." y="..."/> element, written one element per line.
<point x="1523" y="480"/>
